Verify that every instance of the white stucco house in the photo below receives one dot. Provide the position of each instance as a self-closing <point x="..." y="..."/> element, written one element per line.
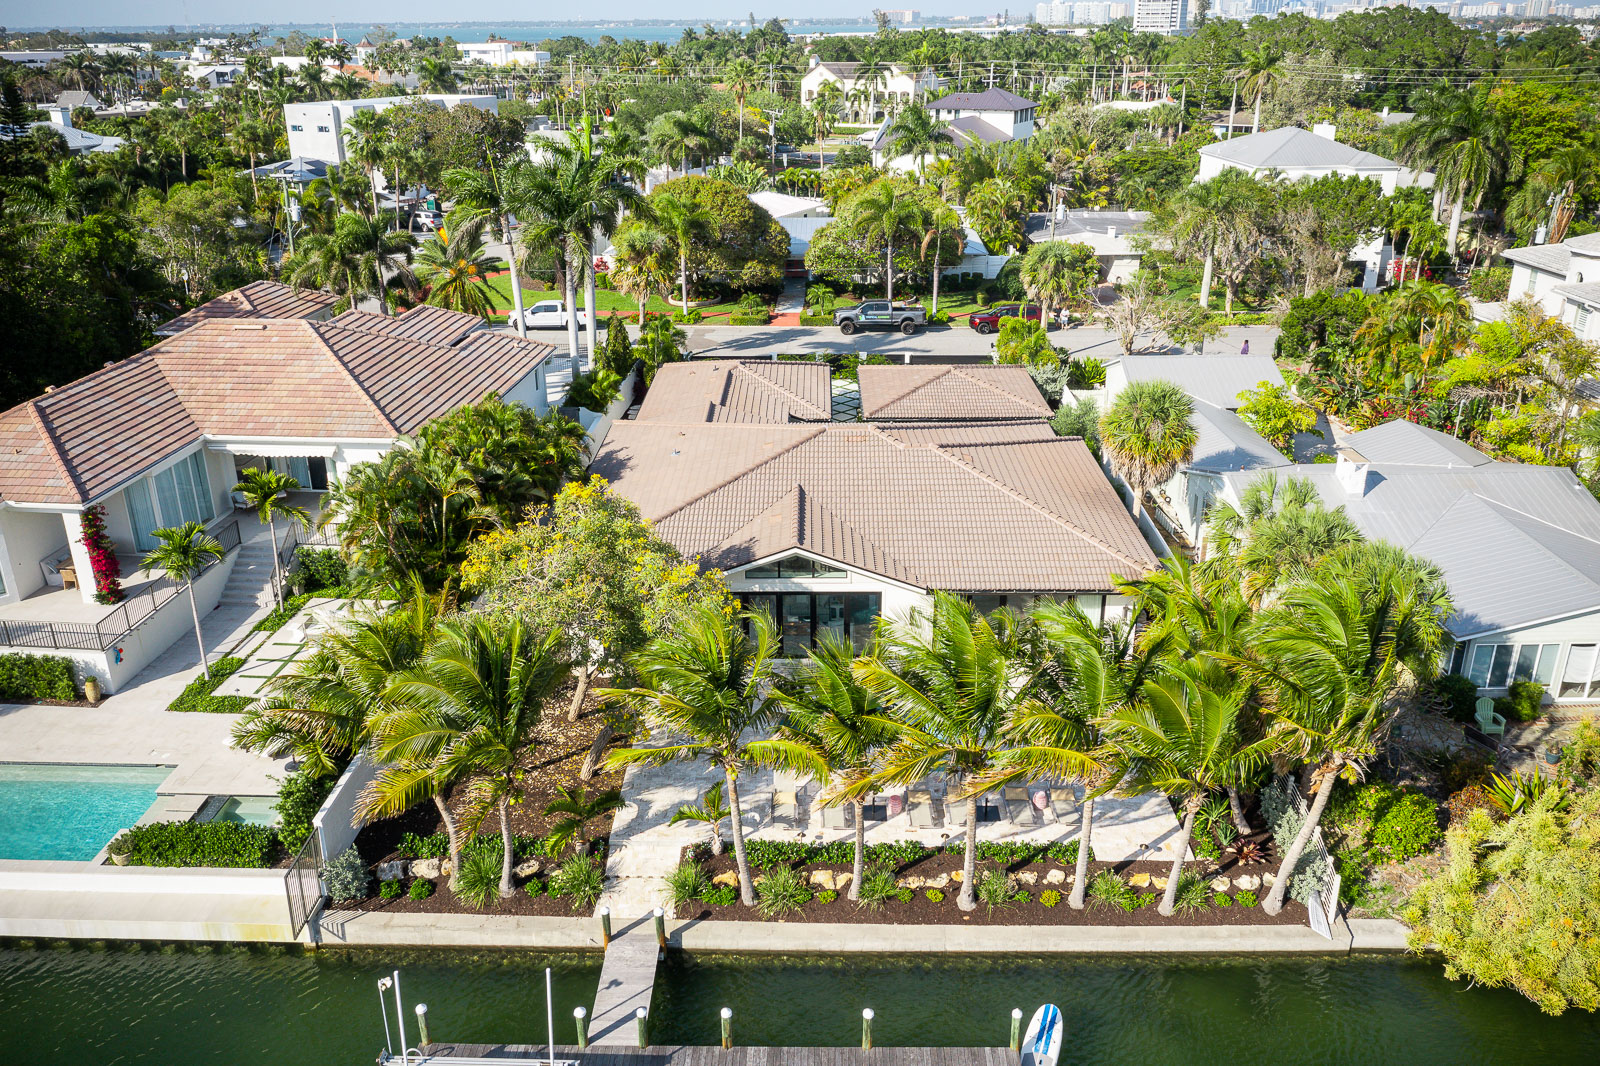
<point x="1564" y="279"/>
<point x="898" y="85"/>
<point x="1109" y="233"/>
<point x="316" y="128"/>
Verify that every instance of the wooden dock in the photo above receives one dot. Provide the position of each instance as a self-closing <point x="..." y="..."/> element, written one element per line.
<point x="530" y="1054"/>
<point x="627" y="983"/>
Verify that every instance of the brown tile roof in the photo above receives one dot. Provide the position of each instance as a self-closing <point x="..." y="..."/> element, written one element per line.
<point x="259" y="299"/>
<point x="972" y="507"/>
<point x="734" y="390"/>
<point x="949" y="393"/>
<point x="254" y="378"/>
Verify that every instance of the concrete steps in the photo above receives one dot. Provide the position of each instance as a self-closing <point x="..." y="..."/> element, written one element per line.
<point x="250" y="584"/>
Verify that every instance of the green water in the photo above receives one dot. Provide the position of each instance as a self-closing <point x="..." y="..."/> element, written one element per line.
<point x="179" y="1006"/>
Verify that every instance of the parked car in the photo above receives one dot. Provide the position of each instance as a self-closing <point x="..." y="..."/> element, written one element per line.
<point x="989" y="321"/>
<point x="551" y="314"/>
<point x="426" y="221"/>
<point x="880" y="314"/>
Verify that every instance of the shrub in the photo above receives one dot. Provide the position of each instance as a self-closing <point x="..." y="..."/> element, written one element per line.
<point x="1407" y="827"/>
<point x="898" y="852"/>
<point x="581" y="879"/>
<point x="1245" y="898"/>
<point x="995" y="888"/>
<point x="1193" y="893"/>
<point x="390" y="890"/>
<point x="533" y="887"/>
<point x="1458" y="694"/>
<point x="1464" y="769"/>
<point x="721" y="896"/>
<point x="739" y="318"/>
<point x="1491" y="285"/>
<point x="1066" y="854"/>
<point x="300" y="797"/>
<point x="827" y="895"/>
<point x="102" y="555"/>
<point x="904" y="895"/>
<point x="197" y="695"/>
<point x="1108" y="889"/>
<point x="877" y="887"/>
<point x="1050" y="897"/>
<point x="1462" y="803"/>
<point x="437" y="846"/>
<point x="281" y="615"/>
<point x="1525" y="699"/>
<point x="1222" y="899"/>
<point x="346" y="875"/>
<point x="691" y="318"/>
<point x="816" y="320"/>
<point x="226" y="845"/>
<point x="934" y="895"/>
<point x="29" y="678"/>
<point x="595" y="390"/>
<point x="1580" y="757"/>
<point x="421" y="888"/>
<point x="1022" y="896"/>
<point x="686" y="883"/>
<point x="479" y="879"/>
<point x="316" y="569"/>
<point x="783" y="890"/>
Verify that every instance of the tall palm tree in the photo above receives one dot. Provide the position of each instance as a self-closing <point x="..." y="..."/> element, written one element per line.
<point x="706" y="684"/>
<point x="471" y="709"/>
<point x="486" y="195"/>
<point x="365" y="146"/>
<point x="183" y="553"/>
<point x="952" y="681"/>
<point x="1261" y="72"/>
<point x="831" y="713"/>
<point x="1219" y="219"/>
<point x="741" y="77"/>
<point x="1183" y="737"/>
<point x="1053" y="276"/>
<point x="640" y="269"/>
<point x="916" y="133"/>
<point x="1465" y="139"/>
<point x="678" y="223"/>
<point x="888" y="211"/>
<point x="359" y="258"/>
<point x="455" y="269"/>
<point x="268" y="492"/>
<point x="678" y="135"/>
<point x="940" y="219"/>
<point x="436" y="76"/>
<point x="1148" y="433"/>
<point x="1333" y="654"/>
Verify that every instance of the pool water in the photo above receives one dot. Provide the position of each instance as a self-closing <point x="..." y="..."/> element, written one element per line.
<point x="70" y="811"/>
<point x="251" y="810"/>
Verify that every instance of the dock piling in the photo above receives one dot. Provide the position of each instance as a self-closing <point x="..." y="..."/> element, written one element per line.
<point x="727" y="1028"/>
<point x="605" y="926"/>
<point x="639" y="1017"/>
<point x="866" y="1028"/>
<point x="1016" y="1028"/>
<point x="580" y="1017"/>
<point x="661" y="928"/>
<point x="422" y="1023"/>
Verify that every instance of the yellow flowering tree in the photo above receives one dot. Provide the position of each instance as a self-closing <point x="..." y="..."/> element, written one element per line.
<point x="588" y="565"/>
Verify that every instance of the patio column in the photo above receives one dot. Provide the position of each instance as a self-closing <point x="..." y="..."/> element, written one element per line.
<point x="73" y="521"/>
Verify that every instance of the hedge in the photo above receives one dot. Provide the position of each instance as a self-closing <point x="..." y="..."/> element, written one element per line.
<point x="198" y="695"/>
<point x="749" y="320"/>
<point x="26" y="678"/>
<point x="1523" y="702"/>
<point x="316" y="569"/>
<point x="816" y="320"/>
<point x="225" y="845"/>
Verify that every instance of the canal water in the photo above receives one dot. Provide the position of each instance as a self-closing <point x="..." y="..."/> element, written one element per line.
<point x="181" y="1006"/>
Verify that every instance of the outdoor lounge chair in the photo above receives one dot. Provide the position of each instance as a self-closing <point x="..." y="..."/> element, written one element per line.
<point x="1063" y="803"/>
<point x="836" y="816"/>
<point x="786" y="809"/>
<point x="1489" y="723"/>
<point x="919" y="806"/>
<point x="1020" y="810"/>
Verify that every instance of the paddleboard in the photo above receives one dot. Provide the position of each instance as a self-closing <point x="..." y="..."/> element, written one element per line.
<point x="1041" y="1044"/>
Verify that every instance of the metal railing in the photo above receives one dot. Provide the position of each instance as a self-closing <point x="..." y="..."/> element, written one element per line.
<point x="132" y="612"/>
<point x="298" y="537"/>
<point x="303" y="883"/>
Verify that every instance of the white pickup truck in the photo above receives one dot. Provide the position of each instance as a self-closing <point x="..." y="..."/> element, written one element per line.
<point x="550" y="314"/>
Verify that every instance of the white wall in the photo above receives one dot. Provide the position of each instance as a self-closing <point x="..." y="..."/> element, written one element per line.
<point x="1211" y="166"/>
<point x="26" y="537"/>
<point x="321" y="123"/>
<point x="1581" y="629"/>
<point x="334" y="823"/>
<point x="531" y="392"/>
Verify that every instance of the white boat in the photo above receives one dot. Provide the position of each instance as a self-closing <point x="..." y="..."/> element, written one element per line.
<point x="1041" y="1044"/>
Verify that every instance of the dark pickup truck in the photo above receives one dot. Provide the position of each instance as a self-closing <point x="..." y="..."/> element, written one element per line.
<point x="880" y="314"/>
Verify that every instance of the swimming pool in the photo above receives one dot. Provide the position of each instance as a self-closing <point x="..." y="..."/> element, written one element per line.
<point x="70" y="811"/>
<point x="251" y="810"/>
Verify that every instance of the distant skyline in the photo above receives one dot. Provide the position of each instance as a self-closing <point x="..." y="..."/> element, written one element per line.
<point x="159" y="14"/>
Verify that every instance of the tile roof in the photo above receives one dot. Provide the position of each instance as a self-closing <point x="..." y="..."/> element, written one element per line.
<point x="734" y="390"/>
<point x="949" y="394"/>
<point x="246" y="377"/>
<point x="1290" y="147"/>
<point x="975" y="507"/>
<point x="259" y="299"/>
<point x="1216" y="379"/>
<point x="991" y="99"/>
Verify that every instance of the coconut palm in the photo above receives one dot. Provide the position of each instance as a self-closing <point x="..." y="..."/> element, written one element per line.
<point x="1148" y="433"/>
<point x="1333" y="655"/>
<point x="455" y="267"/>
<point x="888" y="209"/>
<point x="1261" y="72"/>
<point x="436" y="76"/>
<point x="916" y="133"/>
<point x="1465" y="139"/>
<point x="359" y="258"/>
<point x="741" y="77"/>
<point x="488" y="196"/>
<point x="183" y="553"/>
<point x="706" y="684"/>
<point x="577" y="808"/>
<point x="677" y="223"/>
<point x="939" y="220"/>
<point x="470" y="710"/>
<point x="1219" y="220"/>
<point x="833" y="715"/>
<point x="679" y="136"/>
<point x="952" y="681"/>
<point x="1053" y="276"/>
<point x="365" y="146"/>
<point x="268" y="492"/>
<point x="1183" y="737"/>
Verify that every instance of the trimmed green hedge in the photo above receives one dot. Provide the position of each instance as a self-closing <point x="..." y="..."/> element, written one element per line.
<point x="816" y="320"/>
<point x="280" y="617"/>
<point x="749" y="320"/>
<point x="198" y="695"/>
<point x="223" y="845"/>
<point x="26" y="678"/>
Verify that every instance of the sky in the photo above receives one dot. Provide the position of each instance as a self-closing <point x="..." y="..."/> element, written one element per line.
<point x="162" y="13"/>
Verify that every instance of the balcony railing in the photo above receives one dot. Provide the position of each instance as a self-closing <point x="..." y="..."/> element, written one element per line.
<point x="110" y="630"/>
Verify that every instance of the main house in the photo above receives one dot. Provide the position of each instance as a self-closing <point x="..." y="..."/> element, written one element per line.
<point x="158" y="439"/>
<point x="828" y="525"/>
<point x="992" y="116"/>
<point x="895" y="83"/>
<point x="1564" y="279"/>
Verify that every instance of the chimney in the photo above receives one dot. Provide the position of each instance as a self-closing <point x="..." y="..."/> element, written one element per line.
<point x="1326" y="129"/>
<point x="1354" y="477"/>
<point x="1385" y="110"/>
<point x="1111" y="231"/>
<point x="60" y="116"/>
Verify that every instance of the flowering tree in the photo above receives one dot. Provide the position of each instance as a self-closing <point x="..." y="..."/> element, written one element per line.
<point x="102" y="556"/>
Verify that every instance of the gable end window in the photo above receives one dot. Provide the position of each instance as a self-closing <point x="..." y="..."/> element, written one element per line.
<point x="792" y="566"/>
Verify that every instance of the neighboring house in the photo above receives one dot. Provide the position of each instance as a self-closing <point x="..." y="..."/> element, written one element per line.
<point x="781" y="205"/>
<point x="259" y="299"/>
<point x="739" y="390"/>
<point x="72" y="99"/>
<point x="993" y="116"/>
<point x="1109" y="233"/>
<point x="1214" y="379"/>
<point x="79" y="142"/>
<point x="829" y="526"/>
<point x="494" y="53"/>
<point x="316" y="128"/>
<point x="802" y="227"/>
<point x="1564" y="279"/>
<point x="978" y="393"/>
<point x="1519" y="546"/>
<point x="900" y="84"/>
<point x="216" y="75"/>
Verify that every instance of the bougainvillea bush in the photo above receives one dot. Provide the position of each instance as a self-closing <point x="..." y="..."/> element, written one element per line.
<point x="102" y="556"/>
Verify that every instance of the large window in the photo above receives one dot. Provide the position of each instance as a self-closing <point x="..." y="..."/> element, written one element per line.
<point x="1581" y="678"/>
<point x="792" y="566"/>
<point x="802" y="617"/>
<point x="1497" y="665"/>
<point x="180" y="493"/>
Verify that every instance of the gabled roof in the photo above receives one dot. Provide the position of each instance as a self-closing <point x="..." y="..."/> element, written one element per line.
<point x="1554" y="258"/>
<point x="991" y="99"/>
<point x="1292" y="148"/>
<point x="979" y="507"/>
<point x="1588" y="293"/>
<point x="1403" y="443"/>
<point x="1081" y="223"/>
<point x="970" y="129"/>
<point x="1216" y="379"/>
<point x="351" y="379"/>
<point x="1224" y="443"/>
<point x="982" y="393"/>
<point x="259" y="299"/>
<point x="733" y="390"/>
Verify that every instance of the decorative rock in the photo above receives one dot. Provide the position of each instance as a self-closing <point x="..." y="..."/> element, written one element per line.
<point x="822" y="879"/>
<point x="527" y="869"/>
<point x="957" y="876"/>
<point x="1249" y="882"/>
<point x="1158" y="882"/>
<point x="1268" y="880"/>
<point x="939" y="882"/>
<point x="1055" y="877"/>
<point x="392" y="871"/>
<point x="1028" y="877"/>
<point x="912" y="882"/>
<point x="841" y="880"/>
<point x="1140" y="880"/>
<point x="727" y="877"/>
<point x="1220" y="884"/>
<point x="427" y="868"/>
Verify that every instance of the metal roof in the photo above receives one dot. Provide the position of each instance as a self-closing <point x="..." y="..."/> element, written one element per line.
<point x="1224" y="443"/>
<point x="1408" y="444"/>
<point x="1215" y="379"/>
<point x="1079" y="223"/>
<point x="1290" y="148"/>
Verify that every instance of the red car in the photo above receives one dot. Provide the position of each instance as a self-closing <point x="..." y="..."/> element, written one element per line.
<point x="989" y="321"/>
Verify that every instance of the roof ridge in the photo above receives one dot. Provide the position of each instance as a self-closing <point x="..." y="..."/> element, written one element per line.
<point x="746" y="472"/>
<point x="55" y="448"/>
<point x="744" y="365"/>
<point x="903" y="572"/>
<point x="348" y="373"/>
<point x="1061" y="520"/>
<point x="943" y="370"/>
<point x="991" y="386"/>
<point x="1525" y="514"/>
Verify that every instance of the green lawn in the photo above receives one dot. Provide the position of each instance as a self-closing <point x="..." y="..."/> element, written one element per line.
<point x="608" y="299"/>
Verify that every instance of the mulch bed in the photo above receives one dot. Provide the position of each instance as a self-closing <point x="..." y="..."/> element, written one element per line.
<point x="554" y="763"/>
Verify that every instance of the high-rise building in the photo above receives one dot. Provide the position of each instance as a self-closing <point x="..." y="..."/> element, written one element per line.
<point x="1161" y="16"/>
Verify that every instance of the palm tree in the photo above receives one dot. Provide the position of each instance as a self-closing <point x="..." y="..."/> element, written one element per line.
<point x="455" y="269"/>
<point x="916" y="133"/>
<point x="639" y="270"/>
<point x="485" y="195"/>
<point x="888" y="210"/>
<point x="1182" y="736"/>
<point x="471" y="710"/>
<point x="268" y="492"/>
<point x="359" y="258"/>
<point x="706" y="683"/>
<point x="577" y="809"/>
<point x="678" y="223"/>
<point x="740" y="77"/>
<point x="1261" y="71"/>
<point x="1218" y="219"/>
<point x="712" y="810"/>
<point x="677" y="135"/>
<point x="1053" y="276"/>
<point x="183" y="553"/>
<point x="832" y="714"/>
<point x="1276" y="536"/>
<point x="1333" y="653"/>
<point x="1465" y="139"/>
<point x="940" y="219"/>
<point x="1148" y="433"/>
<point x="952" y="681"/>
<point x="436" y="76"/>
<point x="364" y="136"/>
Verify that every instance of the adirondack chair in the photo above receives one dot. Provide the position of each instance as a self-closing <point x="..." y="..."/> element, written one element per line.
<point x="1489" y="723"/>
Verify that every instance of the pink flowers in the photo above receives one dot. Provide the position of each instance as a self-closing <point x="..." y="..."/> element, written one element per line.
<point x="102" y="556"/>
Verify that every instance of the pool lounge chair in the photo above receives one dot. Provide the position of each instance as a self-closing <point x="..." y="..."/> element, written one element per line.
<point x="1063" y="803"/>
<point x="919" y="806"/>
<point x="786" y="809"/>
<point x="836" y="816"/>
<point x="1020" y="810"/>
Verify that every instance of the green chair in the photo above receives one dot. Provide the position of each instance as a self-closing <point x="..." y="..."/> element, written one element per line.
<point x="1489" y="723"/>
